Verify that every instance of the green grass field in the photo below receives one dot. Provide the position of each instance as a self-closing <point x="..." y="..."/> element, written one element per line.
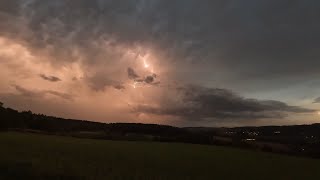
<point x="32" y="156"/>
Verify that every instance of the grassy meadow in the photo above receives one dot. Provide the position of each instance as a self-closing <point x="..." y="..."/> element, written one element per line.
<point x="34" y="156"/>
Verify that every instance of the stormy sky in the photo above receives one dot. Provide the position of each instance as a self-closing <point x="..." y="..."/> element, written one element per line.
<point x="176" y="62"/>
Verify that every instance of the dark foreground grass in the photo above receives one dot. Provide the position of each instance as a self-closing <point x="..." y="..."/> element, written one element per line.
<point x="31" y="156"/>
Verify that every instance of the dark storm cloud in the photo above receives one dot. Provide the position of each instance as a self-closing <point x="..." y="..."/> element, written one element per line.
<point x="149" y="79"/>
<point x="132" y="73"/>
<point x="260" y="45"/>
<point x="50" y="78"/>
<point x="317" y="100"/>
<point x="199" y="103"/>
<point x="119" y="86"/>
<point x="61" y="95"/>
<point x="40" y="94"/>
<point x="253" y="40"/>
<point x="28" y="93"/>
<point x="100" y="81"/>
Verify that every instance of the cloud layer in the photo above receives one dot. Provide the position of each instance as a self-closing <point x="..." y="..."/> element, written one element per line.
<point x="96" y="50"/>
<point x="200" y="103"/>
<point x="40" y="94"/>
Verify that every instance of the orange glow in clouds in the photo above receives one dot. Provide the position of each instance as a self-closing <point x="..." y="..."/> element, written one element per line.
<point x="144" y="59"/>
<point x="146" y="65"/>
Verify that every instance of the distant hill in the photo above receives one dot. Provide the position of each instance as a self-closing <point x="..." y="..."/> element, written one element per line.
<point x="295" y="140"/>
<point x="27" y="121"/>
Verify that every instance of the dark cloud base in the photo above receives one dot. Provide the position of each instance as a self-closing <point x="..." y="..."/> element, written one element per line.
<point x="201" y="103"/>
<point x="50" y="78"/>
<point x="41" y="93"/>
<point x="317" y="100"/>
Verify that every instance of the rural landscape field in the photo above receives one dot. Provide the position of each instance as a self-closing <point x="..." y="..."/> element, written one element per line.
<point x="34" y="156"/>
